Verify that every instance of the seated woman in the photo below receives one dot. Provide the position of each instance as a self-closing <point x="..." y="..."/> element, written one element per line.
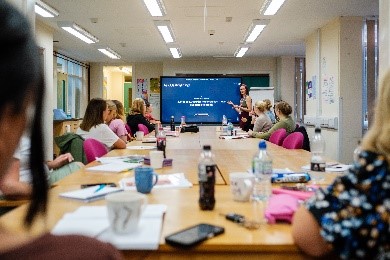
<point x="137" y="116"/>
<point x="283" y="111"/>
<point x="148" y="114"/>
<point x="114" y="121"/>
<point x="17" y="182"/>
<point x="351" y="218"/>
<point x="262" y="123"/>
<point x="93" y="125"/>
<point x="268" y="111"/>
<point x="21" y="106"/>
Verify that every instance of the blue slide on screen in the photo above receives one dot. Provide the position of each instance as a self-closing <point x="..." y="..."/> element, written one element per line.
<point x="201" y="100"/>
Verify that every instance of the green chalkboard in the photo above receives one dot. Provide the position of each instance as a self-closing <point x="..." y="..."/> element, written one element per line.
<point x="256" y="81"/>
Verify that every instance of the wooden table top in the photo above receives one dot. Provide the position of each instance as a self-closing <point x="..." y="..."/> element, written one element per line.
<point x="182" y="204"/>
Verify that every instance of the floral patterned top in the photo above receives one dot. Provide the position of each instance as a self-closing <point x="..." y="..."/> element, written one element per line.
<point x="354" y="212"/>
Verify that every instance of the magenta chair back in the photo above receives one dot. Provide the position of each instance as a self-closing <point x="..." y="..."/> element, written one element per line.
<point x="278" y="136"/>
<point x="143" y="128"/>
<point x="293" y="141"/>
<point x="128" y="129"/>
<point x="93" y="148"/>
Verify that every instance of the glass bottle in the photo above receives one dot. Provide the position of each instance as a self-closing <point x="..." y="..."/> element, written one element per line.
<point x="161" y="140"/>
<point x="224" y="124"/>
<point x="172" y="123"/>
<point x="230" y="127"/>
<point x="206" y="175"/>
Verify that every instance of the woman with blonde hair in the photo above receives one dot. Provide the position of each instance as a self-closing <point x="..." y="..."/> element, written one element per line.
<point x="262" y="123"/>
<point x="93" y="125"/>
<point x="283" y="111"/>
<point x="351" y="218"/>
<point x="268" y="111"/>
<point x="114" y="122"/>
<point x="137" y="116"/>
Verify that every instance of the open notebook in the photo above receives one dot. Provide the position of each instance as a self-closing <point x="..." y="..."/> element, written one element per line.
<point x="92" y="221"/>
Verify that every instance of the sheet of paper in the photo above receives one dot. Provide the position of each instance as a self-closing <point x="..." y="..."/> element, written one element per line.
<point x="141" y="147"/>
<point x="113" y="167"/>
<point x="167" y="181"/>
<point x="90" y="194"/>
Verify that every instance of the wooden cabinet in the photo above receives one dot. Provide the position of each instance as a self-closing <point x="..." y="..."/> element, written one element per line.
<point x="61" y="127"/>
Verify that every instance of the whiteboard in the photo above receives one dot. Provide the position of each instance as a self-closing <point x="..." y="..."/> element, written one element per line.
<point x="259" y="94"/>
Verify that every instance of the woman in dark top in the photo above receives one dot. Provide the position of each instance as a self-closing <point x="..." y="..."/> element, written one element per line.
<point x="351" y="218"/>
<point x="21" y="105"/>
<point x="244" y="108"/>
<point x="137" y="116"/>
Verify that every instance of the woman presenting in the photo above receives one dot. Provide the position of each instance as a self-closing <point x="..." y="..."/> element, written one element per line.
<point x="244" y="108"/>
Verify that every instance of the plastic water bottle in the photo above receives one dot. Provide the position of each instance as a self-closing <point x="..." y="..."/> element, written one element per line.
<point x="161" y="140"/>
<point x="317" y="147"/>
<point x="356" y="152"/>
<point x="224" y="124"/>
<point x="230" y="127"/>
<point x="262" y="169"/>
<point x="206" y="175"/>
<point x="172" y="123"/>
<point x="182" y="120"/>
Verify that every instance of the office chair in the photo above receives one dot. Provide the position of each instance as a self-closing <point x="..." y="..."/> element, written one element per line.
<point x="93" y="149"/>
<point x="293" y="141"/>
<point x="278" y="136"/>
<point x="143" y="128"/>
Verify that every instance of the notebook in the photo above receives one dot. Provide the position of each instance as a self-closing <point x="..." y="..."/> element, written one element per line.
<point x="91" y="193"/>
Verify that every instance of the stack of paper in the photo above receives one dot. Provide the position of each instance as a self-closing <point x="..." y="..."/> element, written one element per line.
<point x="167" y="181"/>
<point x="93" y="221"/>
<point x="91" y="193"/>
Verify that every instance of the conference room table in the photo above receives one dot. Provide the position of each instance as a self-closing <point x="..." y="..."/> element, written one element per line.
<point x="268" y="241"/>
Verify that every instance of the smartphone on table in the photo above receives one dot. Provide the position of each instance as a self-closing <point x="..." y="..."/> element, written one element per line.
<point x="193" y="235"/>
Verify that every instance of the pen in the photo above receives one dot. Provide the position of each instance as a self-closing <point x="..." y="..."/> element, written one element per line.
<point x="101" y="186"/>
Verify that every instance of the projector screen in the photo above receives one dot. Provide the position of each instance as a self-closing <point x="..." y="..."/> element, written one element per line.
<point x="202" y="100"/>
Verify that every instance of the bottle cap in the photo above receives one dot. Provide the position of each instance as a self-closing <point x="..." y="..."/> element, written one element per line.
<point x="206" y="147"/>
<point x="262" y="144"/>
<point x="317" y="130"/>
<point x="172" y="117"/>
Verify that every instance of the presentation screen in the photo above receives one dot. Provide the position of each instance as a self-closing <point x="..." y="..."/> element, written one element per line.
<point x="202" y="100"/>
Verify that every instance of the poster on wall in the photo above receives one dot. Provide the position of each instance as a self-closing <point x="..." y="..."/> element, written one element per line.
<point x="142" y="88"/>
<point x="311" y="89"/>
<point x="154" y="96"/>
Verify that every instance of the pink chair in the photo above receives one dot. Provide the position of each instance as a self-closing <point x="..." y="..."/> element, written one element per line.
<point x="143" y="128"/>
<point x="293" y="141"/>
<point x="93" y="148"/>
<point x="128" y="129"/>
<point x="278" y="136"/>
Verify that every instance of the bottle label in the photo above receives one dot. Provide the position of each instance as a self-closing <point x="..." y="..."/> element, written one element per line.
<point x="261" y="167"/>
<point x="317" y="167"/>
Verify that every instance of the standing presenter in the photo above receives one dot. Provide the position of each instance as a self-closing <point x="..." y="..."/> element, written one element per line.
<point x="244" y="108"/>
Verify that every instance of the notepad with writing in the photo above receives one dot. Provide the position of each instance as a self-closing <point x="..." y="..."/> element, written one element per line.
<point x="91" y="193"/>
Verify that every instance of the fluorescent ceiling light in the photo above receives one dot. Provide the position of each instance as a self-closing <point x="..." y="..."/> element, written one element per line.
<point x="166" y="31"/>
<point x="271" y="7"/>
<point x="110" y="53"/>
<point x="124" y="70"/>
<point x="255" y="29"/>
<point x="241" y="51"/>
<point x="45" y="10"/>
<point x="79" y="32"/>
<point x="175" y="51"/>
<point x="155" y="7"/>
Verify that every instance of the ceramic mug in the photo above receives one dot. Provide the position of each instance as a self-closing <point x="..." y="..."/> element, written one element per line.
<point x="241" y="185"/>
<point x="124" y="210"/>
<point x="156" y="159"/>
<point x="145" y="179"/>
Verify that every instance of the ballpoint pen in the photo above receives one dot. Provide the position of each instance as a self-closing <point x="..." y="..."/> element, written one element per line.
<point x="101" y="186"/>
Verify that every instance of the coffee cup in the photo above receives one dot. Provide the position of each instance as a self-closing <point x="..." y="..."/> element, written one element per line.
<point x="241" y="185"/>
<point x="139" y="135"/>
<point x="156" y="159"/>
<point x="145" y="179"/>
<point x="124" y="211"/>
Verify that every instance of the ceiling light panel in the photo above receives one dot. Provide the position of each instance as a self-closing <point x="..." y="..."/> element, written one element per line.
<point x="241" y="51"/>
<point x="255" y="29"/>
<point x="271" y="7"/>
<point x="78" y="32"/>
<point x="110" y="53"/>
<point x="165" y="30"/>
<point x="45" y="10"/>
<point x="155" y="7"/>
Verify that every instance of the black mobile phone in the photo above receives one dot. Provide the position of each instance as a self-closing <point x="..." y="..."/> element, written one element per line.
<point x="110" y="184"/>
<point x="193" y="235"/>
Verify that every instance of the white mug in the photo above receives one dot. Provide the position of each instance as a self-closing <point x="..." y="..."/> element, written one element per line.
<point x="241" y="185"/>
<point x="124" y="210"/>
<point x="139" y="135"/>
<point x="156" y="159"/>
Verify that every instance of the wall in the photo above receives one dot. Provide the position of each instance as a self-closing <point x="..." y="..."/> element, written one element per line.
<point x="333" y="59"/>
<point x="96" y="80"/>
<point x="115" y="85"/>
<point x="286" y="79"/>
